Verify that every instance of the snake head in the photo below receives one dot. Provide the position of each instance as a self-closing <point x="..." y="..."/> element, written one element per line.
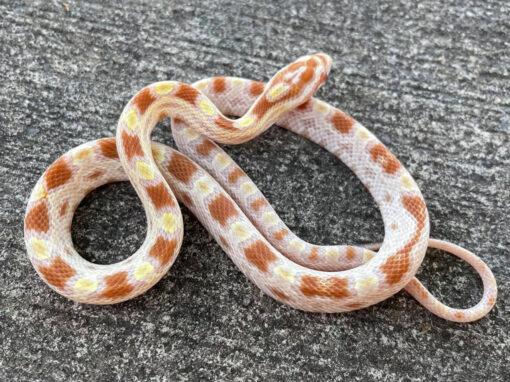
<point x="289" y="88"/>
<point x="298" y="82"/>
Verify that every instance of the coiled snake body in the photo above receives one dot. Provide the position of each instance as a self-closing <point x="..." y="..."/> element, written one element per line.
<point x="297" y="273"/>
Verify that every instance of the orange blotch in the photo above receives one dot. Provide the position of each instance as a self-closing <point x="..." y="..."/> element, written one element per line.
<point x="291" y="68"/>
<point x="219" y="84"/>
<point x="314" y="254"/>
<point x="416" y="206"/>
<point x="383" y="156"/>
<point x="63" y="208"/>
<point x="160" y="196"/>
<point x="143" y="100"/>
<point x="57" y="174"/>
<point x="459" y="315"/>
<point x="221" y="208"/>
<point x="224" y="123"/>
<point x="260" y="255"/>
<point x="256" y="88"/>
<point x="350" y="253"/>
<point x="131" y="144"/>
<point x="397" y="265"/>
<point x="205" y="147"/>
<point x="307" y="74"/>
<point x="37" y="218"/>
<point x="257" y="204"/>
<point x="163" y="250"/>
<point x="187" y="93"/>
<point x="108" y="148"/>
<point x="95" y="174"/>
<point x="304" y="105"/>
<point x="280" y="234"/>
<point x="162" y="115"/>
<point x="333" y="287"/>
<point x="420" y="288"/>
<point x="311" y="63"/>
<point x="117" y="285"/>
<point x="279" y="294"/>
<point x="343" y="123"/>
<point x="263" y="105"/>
<point x="181" y="167"/>
<point x="57" y="273"/>
<point x="235" y="175"/>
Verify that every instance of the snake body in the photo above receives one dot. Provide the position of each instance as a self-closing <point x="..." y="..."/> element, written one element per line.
<point x="202" y="176"/>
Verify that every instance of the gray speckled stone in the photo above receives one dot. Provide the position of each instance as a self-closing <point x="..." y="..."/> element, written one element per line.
<point x="430" y="78"/>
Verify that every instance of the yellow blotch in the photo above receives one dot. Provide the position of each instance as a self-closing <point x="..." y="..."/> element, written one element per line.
<point x="321" y="107"/>
<point x="285" y="274"/>
<point x="201" y="85"/>
<point x="277" y="90"/>
<point x="222" y="160"/>
<point x="85" y="286"/>
<point x="406" y="182"/>
<point x="248" y="188"/>
<point x="270" y="218"/>
<point x="158" y="154"/>
<point x="131" y="119"/>
<point x="144" y="170"/>
<point x="368" y="255"/>
<point x="163" y="87"/>
<point x="240" y="230"/>
<point x="191" y="134"/>
<point x="333" y="253"/>
<point x="39" y="247"/>
<point x="245" y="121"/>
<point x="206" y="107"/>
<point x="364" y="134"/>
<point x="83" y="154"/>
<point x="168" y="222"/>
<point x="204" y="185"/>
<point x="237" y="82"/>
<point x="297" y="245"/>
<point x="440" y="306"/>
<point x="143" y="271"/>
<point x="40" y="193"/>
<point x="367" y="284"/>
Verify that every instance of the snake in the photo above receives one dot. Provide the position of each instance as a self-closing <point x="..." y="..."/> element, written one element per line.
<point x="204" y="178"/>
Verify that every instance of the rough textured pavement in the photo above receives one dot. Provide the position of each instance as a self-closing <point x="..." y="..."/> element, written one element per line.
<point x="431" y="79"/>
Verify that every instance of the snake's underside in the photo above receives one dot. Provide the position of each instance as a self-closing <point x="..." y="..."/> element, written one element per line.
<point x="202" y="176"/>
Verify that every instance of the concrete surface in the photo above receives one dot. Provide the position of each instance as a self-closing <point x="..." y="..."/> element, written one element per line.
<point x="430" y="78"/>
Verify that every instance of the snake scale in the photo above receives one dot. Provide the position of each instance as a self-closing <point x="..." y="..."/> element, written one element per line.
<point x="203" y="177"/>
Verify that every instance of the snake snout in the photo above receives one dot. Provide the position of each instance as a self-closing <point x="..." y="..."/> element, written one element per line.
<point x="326" y="62"/>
